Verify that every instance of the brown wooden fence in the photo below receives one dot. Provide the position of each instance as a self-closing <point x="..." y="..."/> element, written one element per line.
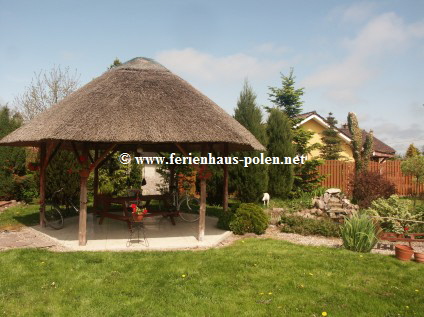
<point x="340" y="174"/>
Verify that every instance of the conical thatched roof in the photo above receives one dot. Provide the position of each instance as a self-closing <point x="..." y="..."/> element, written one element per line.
<point x="140" y="102"/>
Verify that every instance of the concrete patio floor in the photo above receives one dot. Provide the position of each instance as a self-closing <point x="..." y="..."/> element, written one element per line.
<point x="114" y="235"/>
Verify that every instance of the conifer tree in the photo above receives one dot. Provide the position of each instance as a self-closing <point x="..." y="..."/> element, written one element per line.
<point x="249" y="182"/>
<point x="12" y="159"/>
<point x="332" y="144"/>
<point x="289" y="100"/>
<point x="361" y="152"/>
<point x="412" y="151"/>
<point x="280" y="145"/>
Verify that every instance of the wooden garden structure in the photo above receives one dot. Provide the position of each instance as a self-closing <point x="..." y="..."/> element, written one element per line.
<point x="138" y="104"/>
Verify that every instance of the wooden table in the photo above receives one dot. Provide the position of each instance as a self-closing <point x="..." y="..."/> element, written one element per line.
<point x="106" y="201"/>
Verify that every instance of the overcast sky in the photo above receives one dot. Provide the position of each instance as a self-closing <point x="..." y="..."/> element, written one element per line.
<point x="366" y="57"/>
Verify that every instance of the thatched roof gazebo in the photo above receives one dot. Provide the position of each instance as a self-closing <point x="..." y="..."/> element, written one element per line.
<point x="137" y="104"/>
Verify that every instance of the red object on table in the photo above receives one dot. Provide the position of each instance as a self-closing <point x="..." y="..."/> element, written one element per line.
<point x="134" y="208"/>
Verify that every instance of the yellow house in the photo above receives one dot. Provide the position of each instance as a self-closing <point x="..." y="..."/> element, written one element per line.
<point x="312" y="121"/>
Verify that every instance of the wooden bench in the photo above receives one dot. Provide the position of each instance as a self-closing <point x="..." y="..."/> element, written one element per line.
<point x="400" y="237"/>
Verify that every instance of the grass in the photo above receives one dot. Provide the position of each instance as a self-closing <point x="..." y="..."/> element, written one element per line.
<point x="19" y="216"/>
<point x="250" y="278"/>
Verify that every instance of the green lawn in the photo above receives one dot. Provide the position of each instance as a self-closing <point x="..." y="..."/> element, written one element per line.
<point x="250" y="278"/>
<point x="18" y="216"/>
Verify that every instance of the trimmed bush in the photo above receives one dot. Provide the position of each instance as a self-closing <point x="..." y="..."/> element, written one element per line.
<point x="249" y="218"/>
<point x="369" y="186"/>
<point x="225" y="219"/>
<point x="359" y="233"/>
<point x="304" y="226"/>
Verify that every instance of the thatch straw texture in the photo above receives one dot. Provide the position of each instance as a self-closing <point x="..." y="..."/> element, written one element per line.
<point x="139" y="102"/>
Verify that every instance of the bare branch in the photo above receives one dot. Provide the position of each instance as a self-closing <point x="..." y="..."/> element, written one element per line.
<point x="45" y="90"/>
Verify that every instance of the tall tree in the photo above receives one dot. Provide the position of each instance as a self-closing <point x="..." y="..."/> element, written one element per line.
<point x="332" y="144"/>
<point x="45" y="90"/>
<point x="412" y="151"/>
<point x="115" y="63"/>
<point x="288" y="97"/>
<point x="414" y="166"/>
<point x="280" y="145"/>
<point x="12" y="159"/>
<point x="289" y="100"/>
<point x="249" y="182"/>
<point x="361" y="152"/>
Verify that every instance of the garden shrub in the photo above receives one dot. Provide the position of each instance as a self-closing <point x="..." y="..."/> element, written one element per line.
<point x="249" y="218"/>
<point x="225" y="219"/>
<point x="25" y="188"/>
<point x="395" y="207"/>
<point x="369" y="186"/>
<point x="306" y="226"/>
<point x="359" y="233"/>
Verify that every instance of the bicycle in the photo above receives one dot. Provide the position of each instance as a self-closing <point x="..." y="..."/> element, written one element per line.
<point x="54" y="214"/>
<point x="187" y="206"/>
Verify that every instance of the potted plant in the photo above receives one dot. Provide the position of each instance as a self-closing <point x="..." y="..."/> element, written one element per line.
<point x="404" y="252"/>
<point x="419" y="257"/>
<point x="138" y="213"/>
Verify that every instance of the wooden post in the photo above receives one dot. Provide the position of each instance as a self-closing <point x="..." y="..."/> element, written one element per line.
<point x="202" y="211"/>
<point x="84" y="173"/>
<point x="96" y="179"/>
<point x="225" y="190"/>
<point x="43" y="167"/>
<point x="171" y="179"/>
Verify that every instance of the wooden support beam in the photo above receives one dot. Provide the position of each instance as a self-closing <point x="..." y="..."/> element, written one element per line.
<point x="51" y="154"/>
<point x="84" y="173"/>
<point x="102" y="157"/>
<point x="90" y="157"/>
<point x="96" y="179"/>
<point x="77" y="155"/>
<point x="182" y="150"/>
<point x="225" y="185"/>
<point x="202" y="211"/>
<point x="43" y="166"/>
<point x="106" y="158"/>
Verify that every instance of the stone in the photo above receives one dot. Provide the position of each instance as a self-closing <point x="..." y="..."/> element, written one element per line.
<point x="326" y="198"/>
<point x="319" y="212"/>
<point x="319" y="204"/>
<point x="333" y="191"/>
<point x="280" y="210"/>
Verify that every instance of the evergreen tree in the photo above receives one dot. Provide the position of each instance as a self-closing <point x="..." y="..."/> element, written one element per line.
<point x="12" y="159"/>
<point x="280" y="145"/>
<point x="289" y="100"/>
<point x="361" y="152"/>
<point x="288" y="97"/>
<point x="249" y="182"/>
<point x="115" y="63"/>
<point x="412" y="151"/>
<point x="332" y="143"/>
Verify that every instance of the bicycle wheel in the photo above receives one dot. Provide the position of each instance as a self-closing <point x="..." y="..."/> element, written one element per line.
<point x="189" y="208"/>
<point x="53" y="217"/>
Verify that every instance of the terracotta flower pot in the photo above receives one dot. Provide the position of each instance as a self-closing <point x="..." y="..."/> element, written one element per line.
<point x="403" y="252"/>
<point x="419" y="257"/>
<point x="138" y="217"/>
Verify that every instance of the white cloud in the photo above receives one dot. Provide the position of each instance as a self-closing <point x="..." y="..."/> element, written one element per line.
<point x="271" y="48"/>
<point x="355" y="13"/>
<point x="399" y="137"/>
<point x="358" y="12"/>
<point x="383" y="36"/>
<point x="210" y="68"/>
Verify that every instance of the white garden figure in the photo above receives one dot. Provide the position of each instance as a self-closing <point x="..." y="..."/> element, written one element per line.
<point x="266" y="199"/>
